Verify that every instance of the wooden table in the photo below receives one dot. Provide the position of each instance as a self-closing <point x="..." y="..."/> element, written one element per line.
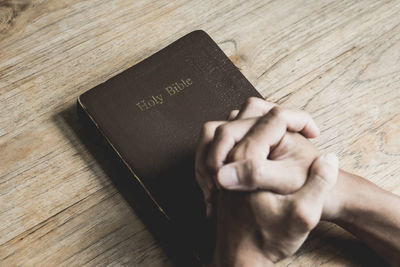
<point x="339" y="60"/>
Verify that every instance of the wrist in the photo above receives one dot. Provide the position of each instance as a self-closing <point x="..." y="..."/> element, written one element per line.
<point x="340" y="201"/>
<point x="349" y="195"/>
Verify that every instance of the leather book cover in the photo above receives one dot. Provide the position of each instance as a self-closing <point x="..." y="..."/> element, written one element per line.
<point x="151" y="115"/>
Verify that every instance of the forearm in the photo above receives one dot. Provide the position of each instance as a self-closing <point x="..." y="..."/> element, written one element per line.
<point x="370" y="213"/>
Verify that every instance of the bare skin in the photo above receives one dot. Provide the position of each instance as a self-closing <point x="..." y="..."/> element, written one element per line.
<point x="259" y="151"/>
<point x="222" y="142"/>
<point x="260" y="228"/>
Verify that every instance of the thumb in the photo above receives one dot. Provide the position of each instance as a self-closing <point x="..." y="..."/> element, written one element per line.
<point x="252" y="174"/>
<point x="322" y="178"/>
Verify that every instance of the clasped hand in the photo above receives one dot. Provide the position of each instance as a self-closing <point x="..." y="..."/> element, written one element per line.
<point x="265" y="181"/>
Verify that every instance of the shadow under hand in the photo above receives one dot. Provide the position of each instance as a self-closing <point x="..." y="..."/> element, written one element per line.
<point x="332" y="244"/>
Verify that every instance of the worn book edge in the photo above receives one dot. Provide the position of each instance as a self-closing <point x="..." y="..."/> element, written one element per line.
<point x="122" y="159"/>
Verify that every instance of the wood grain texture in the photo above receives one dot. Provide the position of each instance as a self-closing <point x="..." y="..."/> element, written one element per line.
<point x="338" y="60"/>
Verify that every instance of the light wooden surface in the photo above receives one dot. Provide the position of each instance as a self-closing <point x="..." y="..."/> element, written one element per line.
<point x="339" y="60"/>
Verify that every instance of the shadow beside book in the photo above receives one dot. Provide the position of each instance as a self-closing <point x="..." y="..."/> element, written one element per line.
<point x="178" y="244"/>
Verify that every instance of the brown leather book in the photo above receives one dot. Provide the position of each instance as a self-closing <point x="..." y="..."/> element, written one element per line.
<point x="151" y="115"/>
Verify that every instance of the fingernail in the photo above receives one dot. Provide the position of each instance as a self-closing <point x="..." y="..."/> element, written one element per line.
<point x="331" y="159"/>
<point x="227" y="176"/>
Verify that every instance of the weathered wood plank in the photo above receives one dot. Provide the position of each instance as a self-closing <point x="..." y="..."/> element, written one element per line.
<point x="339" y="60"/>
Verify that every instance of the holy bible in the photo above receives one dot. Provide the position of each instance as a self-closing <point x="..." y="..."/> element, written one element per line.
<point x="151" y="115"/>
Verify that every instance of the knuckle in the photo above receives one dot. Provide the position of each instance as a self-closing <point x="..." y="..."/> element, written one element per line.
<point x="245" y="150"/>
<point x="252" y="101"/>
<point x="276" y="114"/>
<point x="207" y="129"/>
<point x="254" y="173"/>
<point x="279" y="114"/>
<point x="276" y="111"/>
<point x="234" y="155"/>
<point x="237" y="154"/>
<point x="256" y="104"/>
<point x="222" y="131"/>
